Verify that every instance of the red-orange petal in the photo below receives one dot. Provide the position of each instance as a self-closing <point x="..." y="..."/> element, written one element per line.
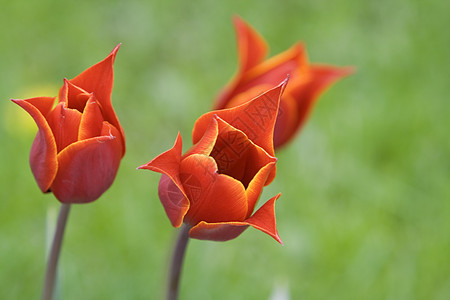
<point x="263" y="219"/>
<point x="256" y="118"/>
<point x="168" y="163"/>
<point x="87" y="168"/>
<point x="208" y="140"/>
<point x="213" y="197"/>
<point x="64" y="123"/>
<point x="219" y="232"/>
<point x="73" y="96"/>
<point x="252" y="48"/>
<point x="98" y="79"/>
<point x="306" y="94"/>
<point x="248" y="95"/>
<point x="173" y="200"/>
<point x="286" y="121"/>
<point x="255" y="187"/>
<point x="292" y="62"/>
<point x="43" y="162"/>
<point x="91" y="121"/>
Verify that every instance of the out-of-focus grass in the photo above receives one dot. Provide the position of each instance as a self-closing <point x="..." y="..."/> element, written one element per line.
<point x="365" y="207"/>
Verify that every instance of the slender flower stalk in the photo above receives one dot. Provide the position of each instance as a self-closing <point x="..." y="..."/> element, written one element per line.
<point x="177" y="263"/>
<point x="52" y="263"/>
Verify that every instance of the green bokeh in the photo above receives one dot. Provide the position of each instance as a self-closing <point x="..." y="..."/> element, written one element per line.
<point x="364" y="212"/>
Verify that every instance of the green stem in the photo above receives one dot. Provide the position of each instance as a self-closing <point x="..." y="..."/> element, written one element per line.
<point x="177" y="263"/>
<point x="52" y="262"/>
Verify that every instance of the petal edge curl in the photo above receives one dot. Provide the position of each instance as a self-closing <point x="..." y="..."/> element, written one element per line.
<point x="43" y="161"/>
<point x="263" y="220"/>
<point x="168" y="163"/>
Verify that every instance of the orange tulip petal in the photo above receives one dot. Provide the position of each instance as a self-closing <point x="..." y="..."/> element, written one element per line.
<point x="207" y="141"/>
<point x="73" y="96"/>
<point x="306" y="94"/>
<point x="87" y="168"/>
<point x="252" y="48"/>
<point x="43" y="104"/>
<point x="98" y="79"/>
<point x="292" y="62"/>
<point x="255" y="118"/>
<point x="220" y="232"/>
<point x="43" y="162"/>
<point x="173" y="200"/>
<point x="320" y="78"/>
<point x="64" y="123"/>
<point x="255" y="187"/>
<point x="91" y="121"/>
<point x="168" y="163"/>
<point x="247" y="95"/>
<point x="263" y="219"/>
<point x="213" y="197"/>
<point x="285" y="126"/>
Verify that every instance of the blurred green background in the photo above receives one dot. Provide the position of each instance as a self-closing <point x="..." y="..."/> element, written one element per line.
<point x="364" y="212"/>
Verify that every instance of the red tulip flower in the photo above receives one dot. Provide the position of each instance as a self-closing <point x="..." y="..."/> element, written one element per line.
<point x="215" y="185"/>
<point x="256" y="74"/>
<point x="79" y="143"/>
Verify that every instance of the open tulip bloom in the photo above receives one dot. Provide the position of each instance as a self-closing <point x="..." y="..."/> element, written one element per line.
<point x="256" y="74"/>
<point x="78" y="147"/>
<point x="213" y="187"/>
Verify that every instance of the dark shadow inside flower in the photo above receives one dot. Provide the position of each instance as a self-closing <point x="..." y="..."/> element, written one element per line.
<point x="236" y="155"/>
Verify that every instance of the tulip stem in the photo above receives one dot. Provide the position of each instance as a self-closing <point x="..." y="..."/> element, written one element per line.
<point x="52" y="262"/>
<point x="177" y="262"/>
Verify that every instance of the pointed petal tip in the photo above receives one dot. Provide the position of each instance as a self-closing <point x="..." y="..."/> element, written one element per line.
<point x="335" y="71"/>
<point x="237" y="19"/>
<point x="143" y="167"/>
<point x="116" y="48"/>
<point x="277" y="236"/>
<point x="285" y="81"/>
<point x="148" y="166"/>
<point x="278" y="239"/>
<point x="299" y="45"/>
<point x="282" y="85"/>
<point x="348" y="70"/>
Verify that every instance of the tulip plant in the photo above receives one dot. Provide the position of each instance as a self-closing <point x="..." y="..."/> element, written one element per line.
<point x="212" y="189"/>
<point x="78" y="147"/>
